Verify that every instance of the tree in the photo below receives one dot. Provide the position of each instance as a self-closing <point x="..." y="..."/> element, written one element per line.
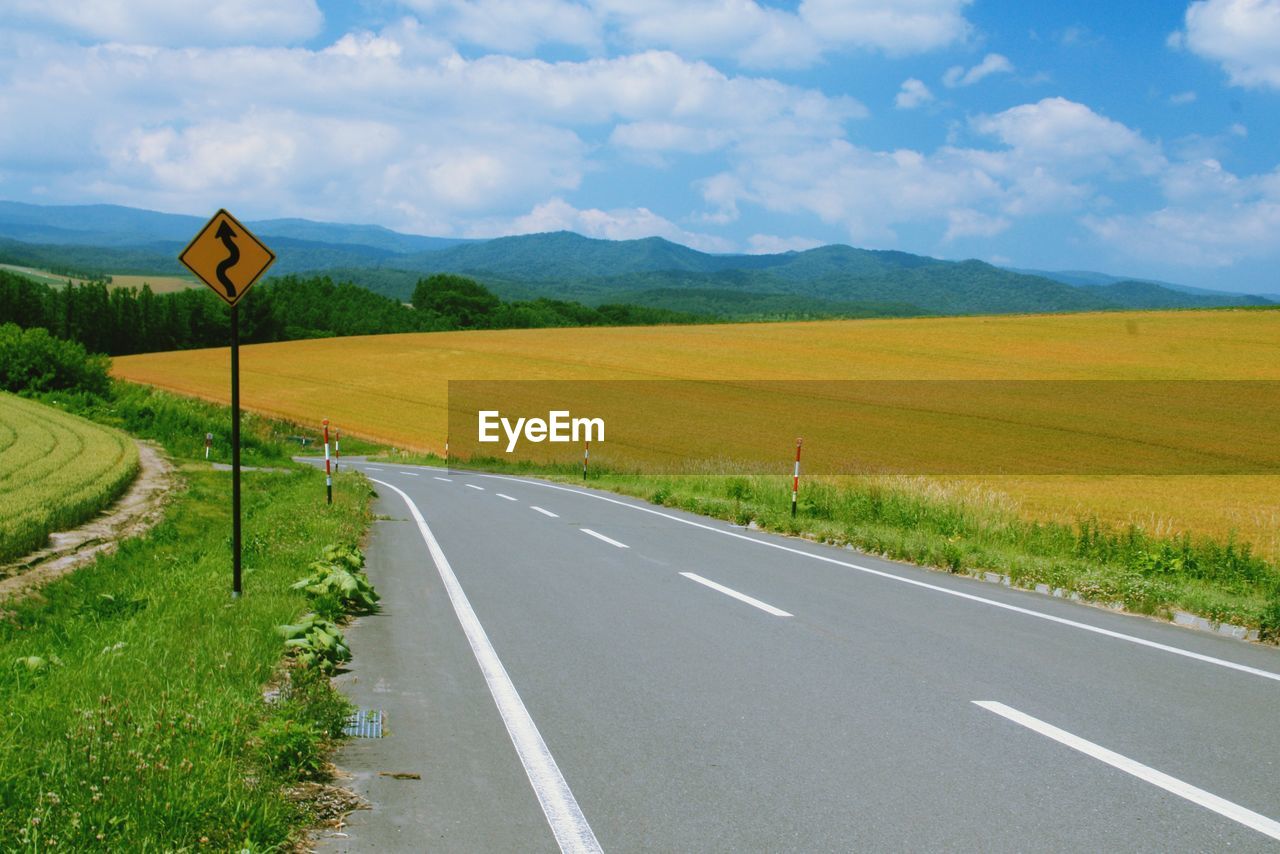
<point x="465" y="302"/>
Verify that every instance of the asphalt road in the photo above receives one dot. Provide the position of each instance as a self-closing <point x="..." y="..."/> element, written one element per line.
<point x="573" y="669"/>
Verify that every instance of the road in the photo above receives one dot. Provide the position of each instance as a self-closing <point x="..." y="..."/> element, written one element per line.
<point x="568" y="668"/>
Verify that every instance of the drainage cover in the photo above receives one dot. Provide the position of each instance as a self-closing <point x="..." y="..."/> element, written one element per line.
<point x="366" y="723"/>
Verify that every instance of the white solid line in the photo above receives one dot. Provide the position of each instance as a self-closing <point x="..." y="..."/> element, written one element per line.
<point x="1222" y="807"/>
<point x="545" y="512"/>
<point x="473" y="486"/>
<point x="408" y="474"/>
<point x="445" y="479"/>
<point x="1040" y="615"/>
<point x="569" y="825"/>
<point x="508" y="497"/>
<point x="611" y="542"/>
<point x="741" y="597"/>
<point x="373" y="468"/>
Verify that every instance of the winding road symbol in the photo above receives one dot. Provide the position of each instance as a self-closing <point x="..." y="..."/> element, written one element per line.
<point x="227" y="236"/>
<point x="227" y="257"/>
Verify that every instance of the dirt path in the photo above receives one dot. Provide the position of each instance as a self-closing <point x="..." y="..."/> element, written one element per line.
<point x="138" y="510"/>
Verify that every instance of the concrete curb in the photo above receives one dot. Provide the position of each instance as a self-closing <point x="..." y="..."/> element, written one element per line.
<point x="1180" y="618"/>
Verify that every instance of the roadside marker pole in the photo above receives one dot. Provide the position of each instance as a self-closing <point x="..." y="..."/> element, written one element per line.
<point x="337" y="450"/>
<point x="328" y="476"/>
<point x="446" y="450"/>
<point x="586" y="455"/>
<point x="795" y="480"/>
<point x="235" y="452"/>
<point x="208" y="440"/>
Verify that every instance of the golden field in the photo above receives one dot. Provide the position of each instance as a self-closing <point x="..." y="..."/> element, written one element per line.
<point x="393" y="387"/>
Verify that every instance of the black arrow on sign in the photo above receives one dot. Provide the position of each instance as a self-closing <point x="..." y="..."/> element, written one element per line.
<point x="227" y="236"/>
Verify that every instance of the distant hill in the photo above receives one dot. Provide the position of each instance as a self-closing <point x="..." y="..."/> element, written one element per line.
<point x="118" y="226"/>
<point x="826" y="281"/>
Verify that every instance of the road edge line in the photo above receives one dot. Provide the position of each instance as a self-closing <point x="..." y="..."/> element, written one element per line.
<point x="568" y="824"/>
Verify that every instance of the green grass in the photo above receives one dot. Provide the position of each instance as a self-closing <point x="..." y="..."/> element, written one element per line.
<point x="973" y="531"/>
<point x="56" y="471"/>
<point x="131" y="697"/>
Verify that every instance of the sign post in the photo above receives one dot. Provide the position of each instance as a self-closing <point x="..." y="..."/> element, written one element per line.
<point x="229" y="259"/>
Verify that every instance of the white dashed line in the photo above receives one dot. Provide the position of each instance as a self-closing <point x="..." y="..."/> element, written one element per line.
<point x="741" y="597"/>
<point x="611" y="542"/>
<point x="545" y="512"/>
<point x="508" y="497"/>
<point x="445" y="479"/>
<point x="408" y="474"/>
<point x="473" y="486"/>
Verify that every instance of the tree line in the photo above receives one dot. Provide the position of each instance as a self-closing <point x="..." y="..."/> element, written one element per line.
<point x="121" y="321"/>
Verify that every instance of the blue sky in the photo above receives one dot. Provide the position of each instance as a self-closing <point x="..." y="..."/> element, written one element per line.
<point x="1138" y="138"/>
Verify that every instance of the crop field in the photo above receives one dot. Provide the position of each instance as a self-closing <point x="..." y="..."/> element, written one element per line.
<point x="44" y="277"/>
<point x="159" y="284"/>
<point x="56" y="470"/>
<point x="394" y="388"/>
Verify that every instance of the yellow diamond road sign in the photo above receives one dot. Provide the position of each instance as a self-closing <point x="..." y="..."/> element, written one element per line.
<point x="227" y="257"/>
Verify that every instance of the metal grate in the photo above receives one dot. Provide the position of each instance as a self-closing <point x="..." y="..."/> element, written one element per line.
<point x="366" y="723"/>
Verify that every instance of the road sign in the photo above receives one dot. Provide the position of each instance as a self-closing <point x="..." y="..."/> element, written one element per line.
<point x="227" y="257"/>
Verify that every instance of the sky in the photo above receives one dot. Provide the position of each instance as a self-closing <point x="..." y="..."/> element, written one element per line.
<point x="1135" y="138"/>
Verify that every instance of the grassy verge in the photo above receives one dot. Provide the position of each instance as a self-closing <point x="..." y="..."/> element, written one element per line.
<point x="131" y="698"/>
<point x="973" y="531"/>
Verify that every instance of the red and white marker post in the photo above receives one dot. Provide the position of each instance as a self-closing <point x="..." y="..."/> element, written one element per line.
<point x="586" y="457"/>
<point x="446" y="450"/>
<point x="328" y="475"/>
<point x="795" y="480"/>
<point x="208" y="442"/>
<point x="337" y="450"/>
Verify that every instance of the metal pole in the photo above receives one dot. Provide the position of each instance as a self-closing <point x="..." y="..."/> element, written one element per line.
<point x="235" y="453"/>
<point x="795" y="479"/>
<point x="328" y="476"/>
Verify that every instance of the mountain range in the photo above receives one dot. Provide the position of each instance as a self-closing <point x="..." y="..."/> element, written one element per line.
<point x="825" y="281"/>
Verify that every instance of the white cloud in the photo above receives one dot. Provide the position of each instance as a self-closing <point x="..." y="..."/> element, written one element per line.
<point x="992" y="63"/>
<point x="770" y="244"/>
<point x="1070" y="137"/>
<point x="1181" y="98"/>
<point x="912" y="94"/>
<point x="176" y="22"/>
<point x="617" y="224"/>
<point x="1054" y="157"/>
<point x="517" y="26"/>
<point x="1241" y="35"/>
<point x="965" y="222"/>
<point x="392" y="127"/>
<point x="750" y="32"/>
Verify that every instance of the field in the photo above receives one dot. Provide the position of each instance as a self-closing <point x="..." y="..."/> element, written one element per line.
<point x="393" y="388"/>
<point x="56" y="470"/>
<point x="161" y="284"/>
